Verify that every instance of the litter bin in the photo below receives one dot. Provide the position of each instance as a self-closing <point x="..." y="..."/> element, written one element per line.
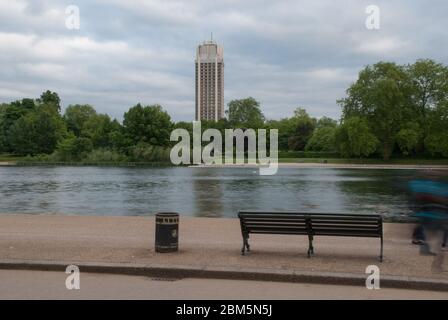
<point x="167" y="231"/>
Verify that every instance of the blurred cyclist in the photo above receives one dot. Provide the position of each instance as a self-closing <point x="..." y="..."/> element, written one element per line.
<point x="430" y="206"/>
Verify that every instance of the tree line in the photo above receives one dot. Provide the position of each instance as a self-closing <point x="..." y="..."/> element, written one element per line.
<point x="391" y="110"/>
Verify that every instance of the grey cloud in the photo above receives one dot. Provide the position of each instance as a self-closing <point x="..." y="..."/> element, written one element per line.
<point x="284" y="53"/>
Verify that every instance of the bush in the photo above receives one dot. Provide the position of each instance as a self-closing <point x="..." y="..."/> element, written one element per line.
<point x="323" y="139"/>
<point x="307" y="154"/>
<point x="148" y="153"/>
<point x="355" y="139"/>
<point x="104" y="155"/>
<point x="73" y="148"/>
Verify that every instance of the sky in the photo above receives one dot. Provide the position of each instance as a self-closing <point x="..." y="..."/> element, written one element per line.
<point x="284" y="53"/>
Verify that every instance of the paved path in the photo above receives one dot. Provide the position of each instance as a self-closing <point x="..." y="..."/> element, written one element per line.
<point x="204" y="242"/>
<point x="7" y="163"/>
<point x="51" y="285"/>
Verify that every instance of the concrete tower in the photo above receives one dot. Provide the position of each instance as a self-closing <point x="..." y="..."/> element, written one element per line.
<point x="209" y="81"/>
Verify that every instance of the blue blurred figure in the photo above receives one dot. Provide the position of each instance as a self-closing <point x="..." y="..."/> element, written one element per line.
<point x="430" y="207"/>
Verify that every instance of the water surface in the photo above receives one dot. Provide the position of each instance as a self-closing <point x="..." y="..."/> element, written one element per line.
<point x="217" y="192"/>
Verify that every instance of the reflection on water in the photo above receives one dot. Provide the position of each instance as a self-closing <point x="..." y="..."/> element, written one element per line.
<point x="199" y="191"/>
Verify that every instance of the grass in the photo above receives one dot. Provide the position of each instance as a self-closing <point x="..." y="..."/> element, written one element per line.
<point x="10" y="158"/>
<point x="21" y="160"/>
<point x="94" y="163"/>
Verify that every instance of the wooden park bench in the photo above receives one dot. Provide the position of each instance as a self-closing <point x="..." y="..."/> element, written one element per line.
<point x="310" y="224"/>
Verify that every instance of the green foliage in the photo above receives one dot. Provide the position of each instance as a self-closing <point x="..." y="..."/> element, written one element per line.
<point x="50" y="99"/>
<point x="324" y="136"/>
<point x="408" y="138"/>
<point x="308" y="154"/>
<point x="286" y="128"/>
<point x="355" y="139"/>
<point x="436" y="141"/>
<point x="304" y="128"/>
<point x="99" y="129"/>
<point x="119" y="140"/>
<point x="381" y="95"/>
<point x="73" y="148"/>
<point x="149" y="124"/>
<point x="36" y="132"/>
<point x="144" y="152"/>
<point x="323" y="139"/>
<point x="326" y="122"/>
<point x="429" y="81"/>
<point x="437" y="144"/>
<point x="245" y="113"/>
<point x="401" y="105"/>
<point x="105" y="155"/>
<point x="9" y="114"/>
<point x="76" y="117"/>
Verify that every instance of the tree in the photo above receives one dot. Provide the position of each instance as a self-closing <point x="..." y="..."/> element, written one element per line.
<point x="73" y="148"/>
<point x="76" y="117"/>
<point x="354" y="138"/>
<point x="9" y="114"/>
<point x="326" y="122"/>
<point x="25" y="104"/>
<point x="429" y="82"/>
<point x="382" y="96"/>
<point x="436" y="141"/>
<point x="149" y="153"/>
<point x="304" y="128"/>
<point x="408" y="138"/>
<point x="286" y="128"/>
<point x="323" y="139"/>
<point x="98" y="129"/>
<point x="37" y="132"/>
<point x="324" y="136"/>
<point x="51" y="99"/>
<point x="118" y="140"/>
<point x="245" y="113"/>
<point x="149" y="124"/>
<point x="85" y="122"/>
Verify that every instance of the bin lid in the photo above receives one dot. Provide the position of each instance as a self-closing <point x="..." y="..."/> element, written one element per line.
<point x="167" y="214"/>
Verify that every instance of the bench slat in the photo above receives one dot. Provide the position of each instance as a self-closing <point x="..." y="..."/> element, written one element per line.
<point x="297" y="232"/>
<point x="311" y="224"/>
<point x="314" y="223"/>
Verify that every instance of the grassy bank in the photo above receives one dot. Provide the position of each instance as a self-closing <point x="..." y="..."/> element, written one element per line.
<point x="89" y="164"/>
<point x="10" y="158"/>
<point x="36" y="161"/>
<point x="366" y="161"/>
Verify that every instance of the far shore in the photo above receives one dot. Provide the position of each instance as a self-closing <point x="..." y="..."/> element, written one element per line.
<point x="7" y="163"/>
<point x="298" y="165"/>
<point x="333" y="166"/>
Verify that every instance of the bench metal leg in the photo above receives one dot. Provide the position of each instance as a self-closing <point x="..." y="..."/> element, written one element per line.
<point x="246" y="246"/>
<point x="381" y="253"/>
<point x="310" y="246"/>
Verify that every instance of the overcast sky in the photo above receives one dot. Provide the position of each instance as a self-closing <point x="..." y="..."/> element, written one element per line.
<point x="283" y="53"/>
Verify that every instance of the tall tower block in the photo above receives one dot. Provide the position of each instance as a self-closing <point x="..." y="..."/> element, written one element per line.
<point x="209" y="81"/>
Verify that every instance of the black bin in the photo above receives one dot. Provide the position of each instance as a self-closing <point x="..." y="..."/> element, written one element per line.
<point x="167" y="231"/>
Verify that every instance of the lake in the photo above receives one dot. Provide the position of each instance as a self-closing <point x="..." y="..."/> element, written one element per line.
<point x="212" y="192"/>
